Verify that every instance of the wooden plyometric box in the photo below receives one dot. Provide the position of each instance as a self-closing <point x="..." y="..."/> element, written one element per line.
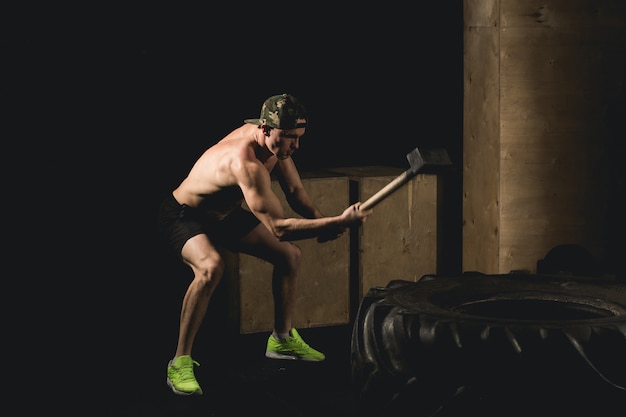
<point x="323" y="292"/>
<point x="400" y="239"/>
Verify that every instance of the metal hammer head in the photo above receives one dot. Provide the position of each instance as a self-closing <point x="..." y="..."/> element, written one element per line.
<point x="418" y="159"/>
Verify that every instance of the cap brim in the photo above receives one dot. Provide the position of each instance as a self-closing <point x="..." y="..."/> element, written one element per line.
<point x="253" y="121"/>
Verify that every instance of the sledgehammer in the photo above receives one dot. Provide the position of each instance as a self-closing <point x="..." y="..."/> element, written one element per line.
<point x="417" y="161"/>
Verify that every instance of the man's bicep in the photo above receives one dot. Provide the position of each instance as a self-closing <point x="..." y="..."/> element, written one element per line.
<point x="264" y="203"/>
<point x="260" y="197"/>
<point x="289" y="176"/>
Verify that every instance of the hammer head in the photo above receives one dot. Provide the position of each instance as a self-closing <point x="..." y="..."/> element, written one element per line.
<point x="418" y="160"/>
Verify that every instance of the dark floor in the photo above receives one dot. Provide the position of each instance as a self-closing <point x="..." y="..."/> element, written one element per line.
<point x="237" y="378"/>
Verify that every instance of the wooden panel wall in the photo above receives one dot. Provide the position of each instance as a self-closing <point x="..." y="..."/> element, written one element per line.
<point x="481" y="138"/>
<point x="539" y="80"/>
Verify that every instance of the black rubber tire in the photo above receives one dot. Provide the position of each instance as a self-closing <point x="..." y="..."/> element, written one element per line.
<point x="513" y="344"/>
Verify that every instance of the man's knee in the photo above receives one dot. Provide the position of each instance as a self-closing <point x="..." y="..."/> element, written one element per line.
<point x="210" y="270"/>
<point x="293" y="256"/>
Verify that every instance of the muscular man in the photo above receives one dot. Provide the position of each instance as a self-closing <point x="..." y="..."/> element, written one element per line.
<point x="205" y="212"/>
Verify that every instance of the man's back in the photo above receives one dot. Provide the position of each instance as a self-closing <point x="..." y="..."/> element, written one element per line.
<point x="212" y="178"/>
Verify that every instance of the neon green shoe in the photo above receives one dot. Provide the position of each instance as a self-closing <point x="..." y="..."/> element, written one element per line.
<point x="180" y="377"/>
<point x="293" y="348"/>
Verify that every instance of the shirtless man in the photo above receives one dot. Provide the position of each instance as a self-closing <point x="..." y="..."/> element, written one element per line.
<point x="205" y="212"/>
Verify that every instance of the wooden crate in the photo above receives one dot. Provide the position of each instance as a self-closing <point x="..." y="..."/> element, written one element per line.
<point x="400" y="239"/>
<point x="323" y="296"/>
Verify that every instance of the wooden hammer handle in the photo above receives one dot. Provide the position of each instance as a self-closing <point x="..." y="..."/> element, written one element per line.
<point x="388" y="189"/>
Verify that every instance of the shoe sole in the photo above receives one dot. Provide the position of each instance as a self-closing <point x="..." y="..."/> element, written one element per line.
<point x="275" y="355"/>
<point x="169" y="384"/>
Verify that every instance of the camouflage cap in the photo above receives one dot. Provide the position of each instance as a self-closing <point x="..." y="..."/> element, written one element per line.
<point x="282" y="112"/>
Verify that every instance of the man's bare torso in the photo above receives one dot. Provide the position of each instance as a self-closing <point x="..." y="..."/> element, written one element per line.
<point x="211" y="182"/>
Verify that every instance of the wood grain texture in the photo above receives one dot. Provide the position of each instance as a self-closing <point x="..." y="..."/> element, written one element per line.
<point x="538" y="86"/>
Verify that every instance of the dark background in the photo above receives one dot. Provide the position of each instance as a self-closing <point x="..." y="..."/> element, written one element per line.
<point x="146" y="82"/>
<point x="107" y="108"/>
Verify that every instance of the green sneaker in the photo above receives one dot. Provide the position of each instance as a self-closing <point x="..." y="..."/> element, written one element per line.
<point x="293" y="348"/>
<point x="180" y="377"/>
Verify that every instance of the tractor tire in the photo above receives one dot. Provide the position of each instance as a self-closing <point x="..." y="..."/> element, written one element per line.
<point x="513" y="344"/>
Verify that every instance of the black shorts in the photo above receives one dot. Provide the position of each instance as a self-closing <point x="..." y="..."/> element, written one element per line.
<point x="178" y="223"/>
